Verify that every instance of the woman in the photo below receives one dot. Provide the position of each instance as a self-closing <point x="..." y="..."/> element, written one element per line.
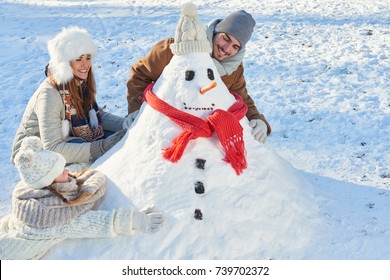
<point x="63" y="111"/>
<point x="49" y="206"/>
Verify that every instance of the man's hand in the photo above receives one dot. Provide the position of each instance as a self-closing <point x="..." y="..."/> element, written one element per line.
<point x="259" y="130"/>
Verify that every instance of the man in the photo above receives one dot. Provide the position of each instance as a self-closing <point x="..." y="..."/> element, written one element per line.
<point x="228" y="38"/>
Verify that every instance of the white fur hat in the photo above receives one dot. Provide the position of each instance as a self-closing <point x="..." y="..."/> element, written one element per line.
<point x="190" y="34"/>
<point x="69" y="44"/>
<point x="37" y="167"/>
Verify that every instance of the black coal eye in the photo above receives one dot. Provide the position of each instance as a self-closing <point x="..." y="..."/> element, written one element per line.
<point x="210" y="74"/>
<point x="190" y="75"/>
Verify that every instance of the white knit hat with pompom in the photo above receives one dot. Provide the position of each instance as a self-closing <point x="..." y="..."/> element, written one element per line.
<point x="37" y="167"/>
<point x="190" y="34"/>
<point x="69" y="44"/>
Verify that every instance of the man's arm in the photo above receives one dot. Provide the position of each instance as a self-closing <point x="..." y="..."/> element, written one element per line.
<point x="146" y="70"/>
<point x="235" y="82"/>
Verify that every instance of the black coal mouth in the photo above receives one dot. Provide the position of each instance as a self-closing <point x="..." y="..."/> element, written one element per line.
<point x="189" y="108"/>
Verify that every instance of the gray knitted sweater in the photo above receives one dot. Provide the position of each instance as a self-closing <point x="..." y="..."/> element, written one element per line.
<point x="41" y="208"/>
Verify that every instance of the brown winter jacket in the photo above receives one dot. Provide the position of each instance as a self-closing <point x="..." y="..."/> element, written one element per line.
<point x="149" y="68"/>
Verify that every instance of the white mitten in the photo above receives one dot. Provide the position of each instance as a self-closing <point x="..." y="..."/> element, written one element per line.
<point x="129" y="119"/>
<point x="259" y="130"/>
<point x="147" y="220"/>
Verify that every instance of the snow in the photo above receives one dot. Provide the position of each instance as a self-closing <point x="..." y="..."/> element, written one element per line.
<point x="318" y="70"/>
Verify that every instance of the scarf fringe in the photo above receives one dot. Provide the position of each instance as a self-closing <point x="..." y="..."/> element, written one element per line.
<point x="235" y="155"/>
<point x="231" y="138"/>
<point x="176" y="150"/>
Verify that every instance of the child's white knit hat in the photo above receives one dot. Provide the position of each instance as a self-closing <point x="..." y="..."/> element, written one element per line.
<point x="37" y="167"/>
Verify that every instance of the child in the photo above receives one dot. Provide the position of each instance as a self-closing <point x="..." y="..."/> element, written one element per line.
<point x="49" y="206"/>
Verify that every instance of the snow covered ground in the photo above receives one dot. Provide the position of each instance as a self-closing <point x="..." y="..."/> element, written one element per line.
<point x="318" y="70"/>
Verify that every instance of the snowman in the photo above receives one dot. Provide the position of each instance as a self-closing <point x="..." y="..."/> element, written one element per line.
<point x="190" y="153"/>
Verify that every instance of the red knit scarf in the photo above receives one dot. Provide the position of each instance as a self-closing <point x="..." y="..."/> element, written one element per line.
<point x="225" y="123"/>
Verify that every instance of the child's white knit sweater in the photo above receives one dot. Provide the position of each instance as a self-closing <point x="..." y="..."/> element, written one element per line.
<point x="22" y="237"/>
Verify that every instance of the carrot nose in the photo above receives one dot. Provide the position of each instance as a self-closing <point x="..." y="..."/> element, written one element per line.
<point x="205" y="89"/>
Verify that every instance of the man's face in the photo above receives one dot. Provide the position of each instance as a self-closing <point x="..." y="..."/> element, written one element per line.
<point x="224" y="46"/>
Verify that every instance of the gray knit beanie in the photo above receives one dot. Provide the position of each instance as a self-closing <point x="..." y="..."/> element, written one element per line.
<point x="37" y="167"/>
<point x="190" y="34"/>
<point x="239" y="24"/>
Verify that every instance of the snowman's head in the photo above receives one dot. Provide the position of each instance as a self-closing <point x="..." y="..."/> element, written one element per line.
<point x="191" y="82"/>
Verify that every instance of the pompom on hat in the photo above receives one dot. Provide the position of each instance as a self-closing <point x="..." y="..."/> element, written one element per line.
<point x="37" y="167"/>
<point x="239" y="24"/>
<point x="69" y="44"/>
<point x="190" y="34"/>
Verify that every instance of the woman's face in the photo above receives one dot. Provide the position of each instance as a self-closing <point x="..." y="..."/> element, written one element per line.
<point x="81" y="66"/>
<point x="63" y="177"/>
